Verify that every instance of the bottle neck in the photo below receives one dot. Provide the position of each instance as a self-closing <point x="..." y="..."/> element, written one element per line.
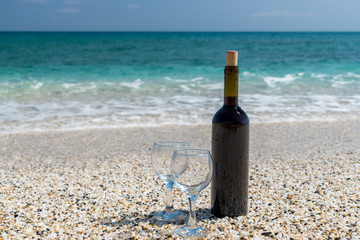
<point x="231" y="75"/>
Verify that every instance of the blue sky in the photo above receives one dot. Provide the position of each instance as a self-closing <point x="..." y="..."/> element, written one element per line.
<point x="184" y="15"/>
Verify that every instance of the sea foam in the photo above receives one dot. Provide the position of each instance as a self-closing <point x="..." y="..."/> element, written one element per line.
<point x="133" y="85"/>
<point x="274" y="81"/>
<point x="37" y="85"/>
<point x="172" y="109"/>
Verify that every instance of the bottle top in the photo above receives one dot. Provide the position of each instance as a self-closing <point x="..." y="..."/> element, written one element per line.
<point x="231" y="58"/>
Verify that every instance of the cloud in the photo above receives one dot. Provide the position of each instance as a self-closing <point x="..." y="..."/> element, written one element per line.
<point x="69" y="10"/>
<point x="71" y="2"/>
<point x="282" y="14"/>
<point x="133" y="5"/>
<point x="35" y="1"/>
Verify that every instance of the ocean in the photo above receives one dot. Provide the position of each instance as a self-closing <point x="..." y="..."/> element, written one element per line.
<point x="82" y="80"/>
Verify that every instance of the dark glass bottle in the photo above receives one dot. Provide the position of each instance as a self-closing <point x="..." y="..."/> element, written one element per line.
<point x="230" y="150"/>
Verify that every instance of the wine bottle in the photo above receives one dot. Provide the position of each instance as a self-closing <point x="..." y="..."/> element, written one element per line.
<point x="230" y="149"/>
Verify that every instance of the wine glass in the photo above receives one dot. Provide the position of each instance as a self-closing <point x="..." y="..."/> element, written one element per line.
<point x="162" y="152"/>
<point x="191" y="170"/>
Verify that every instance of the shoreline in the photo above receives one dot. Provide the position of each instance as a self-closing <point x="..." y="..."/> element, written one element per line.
<point x="348" y="119"/>
<point x="100" y="183"/>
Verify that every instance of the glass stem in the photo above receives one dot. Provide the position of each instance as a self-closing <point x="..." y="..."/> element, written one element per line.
<point x="169" y="195"/>
<point x="192" y="213"/>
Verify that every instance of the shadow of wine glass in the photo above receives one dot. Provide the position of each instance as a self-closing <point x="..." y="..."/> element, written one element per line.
<point x="127" y="224"/>
<point x="133" y="220"/>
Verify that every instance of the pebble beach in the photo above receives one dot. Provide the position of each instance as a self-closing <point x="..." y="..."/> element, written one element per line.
<point x="99" y="184"/>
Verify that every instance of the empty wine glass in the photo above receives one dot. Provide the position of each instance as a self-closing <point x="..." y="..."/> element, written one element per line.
<point x="162" y="152"/>
<point x="191" y="170"/>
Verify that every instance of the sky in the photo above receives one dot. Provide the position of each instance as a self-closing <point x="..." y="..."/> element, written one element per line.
<point x="183" y="15"/>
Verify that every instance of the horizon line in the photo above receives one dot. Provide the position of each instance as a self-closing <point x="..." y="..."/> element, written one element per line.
<point x="187" y="31"/>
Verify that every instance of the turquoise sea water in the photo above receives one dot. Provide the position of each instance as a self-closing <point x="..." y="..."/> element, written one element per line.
<point x="84" y="80"/>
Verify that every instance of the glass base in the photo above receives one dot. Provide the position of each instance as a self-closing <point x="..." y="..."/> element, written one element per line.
<point x="195" y="231"/>
<point x="170" y="216"/>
